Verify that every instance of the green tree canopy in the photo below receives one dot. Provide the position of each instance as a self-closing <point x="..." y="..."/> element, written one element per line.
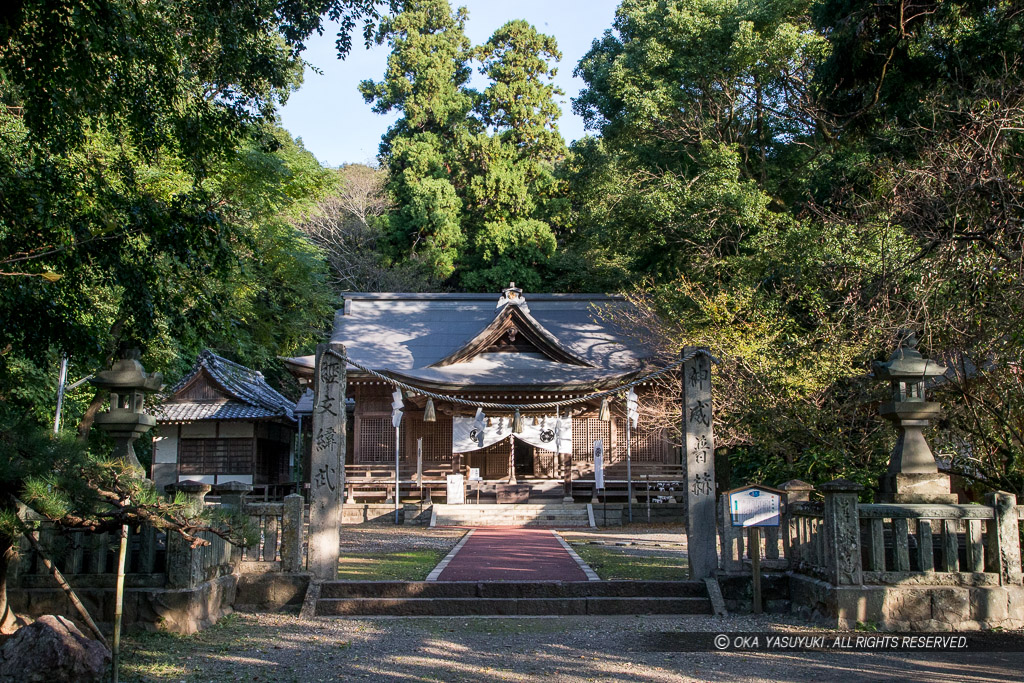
<point x="471" y="174"/>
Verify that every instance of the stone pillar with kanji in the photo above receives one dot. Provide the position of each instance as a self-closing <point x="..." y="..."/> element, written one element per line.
<point x="327" y="461"/>
<point x="699" y="447"/>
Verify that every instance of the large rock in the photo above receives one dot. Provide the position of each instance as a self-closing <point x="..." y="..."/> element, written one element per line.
<point x="53" y="649"/>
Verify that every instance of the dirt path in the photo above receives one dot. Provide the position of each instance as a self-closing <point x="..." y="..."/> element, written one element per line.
<point x="263" y="648"/>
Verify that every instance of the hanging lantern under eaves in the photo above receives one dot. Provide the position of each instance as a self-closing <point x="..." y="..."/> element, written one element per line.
<point x="606" y="412"/>
<point x="429" y="415"/>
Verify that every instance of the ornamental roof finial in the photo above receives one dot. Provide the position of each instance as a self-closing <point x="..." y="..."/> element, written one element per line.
<point x="512" y="295"/>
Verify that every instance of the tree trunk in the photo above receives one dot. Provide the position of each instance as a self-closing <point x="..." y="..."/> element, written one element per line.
<point x="90" y="414"/>
<point x="6" y="556"/>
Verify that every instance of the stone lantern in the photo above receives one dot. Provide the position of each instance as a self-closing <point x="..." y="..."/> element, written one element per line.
<point x="128" y="383"/>
<point x="913" y="476"/>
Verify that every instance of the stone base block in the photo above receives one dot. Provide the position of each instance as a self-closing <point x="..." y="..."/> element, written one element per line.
<point x="271" y="592"/>
<point x="907" y="608"/>
<point x="184" y="610"/>
<point x="916" y="488"/>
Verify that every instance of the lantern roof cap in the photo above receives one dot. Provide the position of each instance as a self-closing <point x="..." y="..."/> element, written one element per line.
<point x="128" y="374"/>
<point x="907" y="362"/>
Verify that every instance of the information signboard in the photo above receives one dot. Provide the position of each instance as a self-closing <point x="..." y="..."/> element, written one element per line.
<point x="474" y="474"/>
<point x="754" y="506"/>
<point x="599" y="464"/>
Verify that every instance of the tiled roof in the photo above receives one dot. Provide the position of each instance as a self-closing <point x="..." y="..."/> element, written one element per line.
<point x="409" y="333"/>
<point x="232" y="410"/>
<point x="247" y="394"/>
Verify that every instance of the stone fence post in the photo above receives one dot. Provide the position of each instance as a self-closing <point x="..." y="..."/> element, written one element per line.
<point x="1003" y="552"/>
<point x="797" y="491"/>
<point x="291" y="533"/>
<point x="184" y="563"/>
<point x="231" y="493"/>
<point x="842" y="533"/>
<point x="730" y="538"/>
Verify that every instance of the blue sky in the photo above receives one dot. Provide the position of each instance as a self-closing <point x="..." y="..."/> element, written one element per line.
<point x="329" y="114"/>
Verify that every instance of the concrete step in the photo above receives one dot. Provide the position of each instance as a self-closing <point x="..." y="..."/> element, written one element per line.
<point x="339" y="607"/>
<point x="512" y="589"/>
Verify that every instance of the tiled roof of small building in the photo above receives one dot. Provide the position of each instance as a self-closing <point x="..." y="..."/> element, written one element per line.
<point x="247" y="396"/>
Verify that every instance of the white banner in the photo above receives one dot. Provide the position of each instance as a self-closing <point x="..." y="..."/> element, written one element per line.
<point x="544" y="431"/>
<point x="599" y="464"/>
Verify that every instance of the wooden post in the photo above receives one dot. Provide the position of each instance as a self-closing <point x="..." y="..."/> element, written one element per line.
<point x="754" y="546"/>
<point x="699" y="445"/>
<point x="629" y="477"/>
<point x="398" y="487"/>
<point x="327" y="462"/>
<point x="648" y="477"/>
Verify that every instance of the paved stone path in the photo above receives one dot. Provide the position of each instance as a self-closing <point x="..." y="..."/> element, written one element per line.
<point x="512" y="554"/>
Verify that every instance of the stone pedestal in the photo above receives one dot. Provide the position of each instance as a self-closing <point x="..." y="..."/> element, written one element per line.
<point x="232" y="493"/>
<point x="902" y="487"/>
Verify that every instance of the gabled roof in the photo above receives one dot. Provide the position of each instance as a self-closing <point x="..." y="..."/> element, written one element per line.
<point x="219" y="389"/>
<point x="511" y="322"/>
<point x="446" y="340"/>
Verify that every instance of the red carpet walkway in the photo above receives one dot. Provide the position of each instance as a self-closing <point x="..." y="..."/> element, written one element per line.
<point x="512" y="555"/>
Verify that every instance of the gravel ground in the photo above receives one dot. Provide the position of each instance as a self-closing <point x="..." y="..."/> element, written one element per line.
<point x="388" y="539"/>
<point x="266" y="647"/>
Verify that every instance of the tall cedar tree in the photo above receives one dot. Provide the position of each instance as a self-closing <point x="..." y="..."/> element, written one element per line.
<point x="471" y="173"/>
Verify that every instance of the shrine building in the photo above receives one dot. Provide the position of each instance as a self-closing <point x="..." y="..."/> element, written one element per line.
<point x="223" y="423"/>
<point x="510" y="350"/>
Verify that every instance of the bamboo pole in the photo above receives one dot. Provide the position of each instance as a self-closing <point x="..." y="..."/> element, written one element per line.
<point x="115" y="652"/>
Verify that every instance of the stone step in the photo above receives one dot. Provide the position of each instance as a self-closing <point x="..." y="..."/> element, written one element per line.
<point x="512" y="589"/>
<point x="519" y="514"/>
<point x="340" y="607"/>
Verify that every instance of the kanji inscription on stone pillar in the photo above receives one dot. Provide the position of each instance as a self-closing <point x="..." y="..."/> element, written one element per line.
<point x="699" y="445"/>
<point x="326" y="464"/>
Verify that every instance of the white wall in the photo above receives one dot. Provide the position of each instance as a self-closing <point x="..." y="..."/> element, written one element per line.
<point x="165" y="444"/>
<point x="236" y="430"/>
<point x="199" y="430"/>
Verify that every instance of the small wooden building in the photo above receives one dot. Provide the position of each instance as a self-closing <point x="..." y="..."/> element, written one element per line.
<point x="511" y="350"/>
<point x="222" y="423"/>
